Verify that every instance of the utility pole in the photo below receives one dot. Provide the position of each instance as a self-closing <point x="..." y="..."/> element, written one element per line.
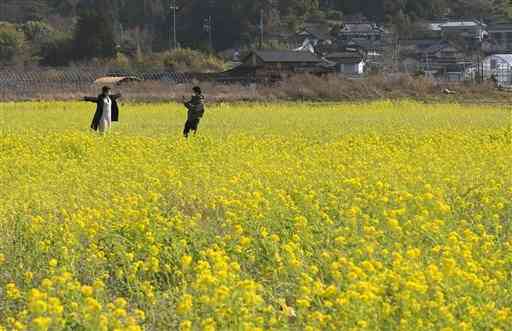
<point x="261" y="28"/>
<point x="210" y="32"/>
<point x="208" y="27"/>
<point x="173" y="7"/>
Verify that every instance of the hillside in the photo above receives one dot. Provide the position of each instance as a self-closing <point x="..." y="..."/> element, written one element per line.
<point x="234" y="22"/>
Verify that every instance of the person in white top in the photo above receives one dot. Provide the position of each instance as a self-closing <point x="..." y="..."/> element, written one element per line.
<point x="107" y="110"/>
<point x="106" y="116"/>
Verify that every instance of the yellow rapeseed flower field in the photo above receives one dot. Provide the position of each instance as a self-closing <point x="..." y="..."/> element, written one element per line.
<point x="283" y="216"/>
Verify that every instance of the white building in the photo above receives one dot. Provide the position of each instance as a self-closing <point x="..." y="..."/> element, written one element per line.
<point x="498" y="66"/>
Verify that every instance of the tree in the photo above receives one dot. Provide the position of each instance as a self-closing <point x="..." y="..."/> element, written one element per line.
<point x="11" y="43"/>
<point x="94" y="35"/>
<point x="472" y="8"/>
<point x="57" y="51"/>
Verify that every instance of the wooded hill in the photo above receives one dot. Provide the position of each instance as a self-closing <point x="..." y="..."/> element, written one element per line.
<point x="146" y="24"/>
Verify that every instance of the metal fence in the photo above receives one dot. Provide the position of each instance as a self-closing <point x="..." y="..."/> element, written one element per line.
<point x="462" y="72"/>
<point x="32" y="82"/>
<point x="62" y="83"/>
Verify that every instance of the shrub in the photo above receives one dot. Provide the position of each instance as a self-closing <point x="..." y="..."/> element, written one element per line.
<point x="11" y="43"/>
<point x="192" y="60"/>
<point x="37" y="31"/>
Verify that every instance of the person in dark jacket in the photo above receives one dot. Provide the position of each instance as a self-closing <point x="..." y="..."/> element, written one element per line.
<point x="107" y="110"/>
<point x="195" y="112"/>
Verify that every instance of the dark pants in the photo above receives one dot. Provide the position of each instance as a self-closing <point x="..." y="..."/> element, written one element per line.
<point x="191" y="125"/>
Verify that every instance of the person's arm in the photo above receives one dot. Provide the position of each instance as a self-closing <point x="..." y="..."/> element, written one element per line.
<point x="116" y="96"/>
<point x="90" y="99"/>
<point x="186" y="103"/>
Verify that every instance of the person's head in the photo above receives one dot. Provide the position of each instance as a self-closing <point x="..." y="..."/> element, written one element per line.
<point x="106" y="90"/>
<point x="197" y="90"/>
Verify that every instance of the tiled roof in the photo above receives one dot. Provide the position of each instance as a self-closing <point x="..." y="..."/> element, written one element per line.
<point x="345" y="57"/>
<point x="287" y="56"/>
<point x="500" y="26"/>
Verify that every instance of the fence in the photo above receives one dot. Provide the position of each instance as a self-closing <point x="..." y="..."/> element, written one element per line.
<point x="68" y="84"/>
<point x="462" y="72"/>
<point x="40" y="83"/>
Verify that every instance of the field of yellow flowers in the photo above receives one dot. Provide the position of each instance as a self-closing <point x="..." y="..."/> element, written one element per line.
<point x="285" y="216"/>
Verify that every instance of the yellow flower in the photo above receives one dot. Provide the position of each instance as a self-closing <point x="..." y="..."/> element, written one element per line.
<point x="46" y="283"/>
<point x="120" y="313"/>
<point x="185" y="325"/>
<point x="28" y="276"/>
<point x="186" y="260"/>
<point x="12" y="291"/>
<point x="41" y="323"/>
<point x="53" y="263"/>
<point x="93" y="305"/>
<point x="208" y="324"/>
<point x="38" y="307"/>
<point x="185" y="304"/>
<point x="87" y="290"/>
<point x="120" y="302"/>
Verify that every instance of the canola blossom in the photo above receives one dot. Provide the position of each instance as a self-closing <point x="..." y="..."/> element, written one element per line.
<point x="281" y="216"/>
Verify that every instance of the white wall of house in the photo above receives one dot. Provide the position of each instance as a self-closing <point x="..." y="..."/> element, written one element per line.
<point x="352" y="68"/>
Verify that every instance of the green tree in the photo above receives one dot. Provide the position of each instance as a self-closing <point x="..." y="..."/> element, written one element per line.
<point x="11" y="43"/>
<point x="37" y="31"/>
<point x="57" y="50"/>
<point x="94" y="34"/>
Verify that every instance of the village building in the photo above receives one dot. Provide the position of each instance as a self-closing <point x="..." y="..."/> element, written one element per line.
<point x="498" y="67"/>
<point x="314" y="31"/>
<point x="282" y="60"/>
<point x="469" y="29"/>
<point x="274" y="65"/>
<point x="500" y="37"/>
<point x="349" y="63"/>
<point x="361" y="30"/>
<point x="434" y="57"/>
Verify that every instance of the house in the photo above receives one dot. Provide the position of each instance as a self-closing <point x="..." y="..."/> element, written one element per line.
<point x="435" y="25"/>
<point x="454" y="72"/>
<point x="372" y="49"/>
<point x="469" y="29"/>
<point x="431" y="55"/>
<point x="274" y="64"/>
<point x="361" y="30"/>
<point x="351" y="63"/>
<point x="281" y="59"/>
<point x="312" y="35"/>
<point x="500" y="35"/>
<point x="312" y="32"/>
<point x="498" y="67"/>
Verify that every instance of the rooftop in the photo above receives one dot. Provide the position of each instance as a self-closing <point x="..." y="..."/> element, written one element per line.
<point x="458" y="24"/>
<point x="361" y="28"/>
<point x="500" y="26"/>
<point x="345" y="57"/>
<point x="439" y="24"/>
<point x="270" y="56"/>
<point x="505" y="57"/>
